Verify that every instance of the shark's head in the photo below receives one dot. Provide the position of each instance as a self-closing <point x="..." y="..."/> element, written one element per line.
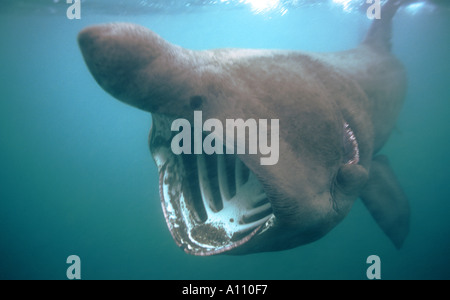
<point x="289" y="193"/>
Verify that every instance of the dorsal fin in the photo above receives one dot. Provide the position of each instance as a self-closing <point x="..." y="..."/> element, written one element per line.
<point x="379" y="35"/>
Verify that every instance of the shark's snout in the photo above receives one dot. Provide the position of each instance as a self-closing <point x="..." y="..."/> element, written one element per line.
<point x="111" y="55"/>
<point x="135" y="65"/>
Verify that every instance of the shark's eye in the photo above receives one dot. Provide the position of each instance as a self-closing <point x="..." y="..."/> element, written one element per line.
<point x="351" y="149"/>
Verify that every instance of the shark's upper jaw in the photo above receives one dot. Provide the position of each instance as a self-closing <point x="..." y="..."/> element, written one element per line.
<point x="212" y="203"/>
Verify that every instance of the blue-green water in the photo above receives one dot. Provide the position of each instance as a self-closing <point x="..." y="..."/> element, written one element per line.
<point x="76" y="175"/>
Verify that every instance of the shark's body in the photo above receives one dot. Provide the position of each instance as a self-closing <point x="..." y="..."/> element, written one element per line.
<point x="335" y="111"/>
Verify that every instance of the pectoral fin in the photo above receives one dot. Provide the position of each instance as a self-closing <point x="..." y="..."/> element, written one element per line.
<point x="386" y="201"/>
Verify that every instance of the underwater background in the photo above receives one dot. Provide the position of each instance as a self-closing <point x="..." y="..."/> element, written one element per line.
<point x="77" y="177"/>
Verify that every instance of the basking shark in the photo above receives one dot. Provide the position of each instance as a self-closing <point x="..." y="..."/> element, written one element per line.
<point x="335" y="111"/>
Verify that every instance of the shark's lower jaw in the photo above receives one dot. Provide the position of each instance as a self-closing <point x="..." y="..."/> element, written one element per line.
<point x="212" y="203"/>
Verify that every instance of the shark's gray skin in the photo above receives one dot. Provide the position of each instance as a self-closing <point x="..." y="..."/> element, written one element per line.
<point x="335" y="111"/>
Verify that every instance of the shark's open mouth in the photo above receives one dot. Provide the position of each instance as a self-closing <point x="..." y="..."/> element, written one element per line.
<point x="212" y="203"/>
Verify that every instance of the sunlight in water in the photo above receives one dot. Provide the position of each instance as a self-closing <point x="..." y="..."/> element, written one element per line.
<point x="345" y="3"/>
<point x="416" y="8"/>
<point x="264" y="6"/>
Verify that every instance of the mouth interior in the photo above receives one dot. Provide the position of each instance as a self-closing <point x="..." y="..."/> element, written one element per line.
<point x="226" y="203"/>
<point x="212" y="203"/>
